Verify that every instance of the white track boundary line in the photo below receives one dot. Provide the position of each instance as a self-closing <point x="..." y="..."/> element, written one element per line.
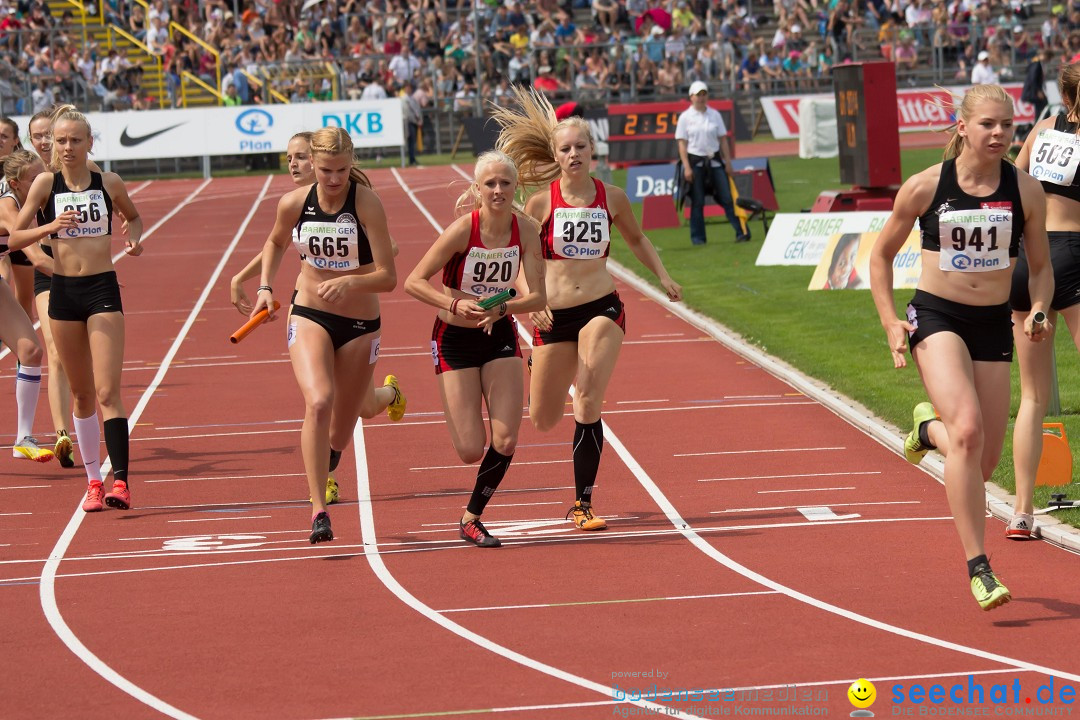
<point x="868" y="425"/>
<point x="371" y="552"/>
<point x="47" y="590"/>
<point x="4" y="352"/>
<point x="375" y="560"/>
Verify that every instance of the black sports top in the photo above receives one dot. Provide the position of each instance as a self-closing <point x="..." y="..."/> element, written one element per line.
<point x="94" y="207"/>
<point x="1055" y="157"/>
<point x="332" y="241"/>
<point x="971" y="232"/>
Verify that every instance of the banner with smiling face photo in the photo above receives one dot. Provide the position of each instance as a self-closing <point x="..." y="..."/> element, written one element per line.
<point x="845" y="264"/>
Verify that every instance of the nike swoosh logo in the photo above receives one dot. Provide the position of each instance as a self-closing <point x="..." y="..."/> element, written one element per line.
<point x="129" y="141"/>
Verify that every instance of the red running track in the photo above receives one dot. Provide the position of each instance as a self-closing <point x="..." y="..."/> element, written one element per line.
<point x="757" y="542"/>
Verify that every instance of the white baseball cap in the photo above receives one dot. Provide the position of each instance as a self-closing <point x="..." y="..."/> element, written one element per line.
<point x="698" y="86"/>
<point x="984" y="55"/>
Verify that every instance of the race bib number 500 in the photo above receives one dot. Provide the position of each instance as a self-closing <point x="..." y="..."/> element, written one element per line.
<point x="1054" y="157"/>
<point x="581" y="233"/>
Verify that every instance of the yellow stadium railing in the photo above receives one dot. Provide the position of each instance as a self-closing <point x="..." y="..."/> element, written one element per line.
<point x="178" y="28"/>
<point x="114" y="32"/>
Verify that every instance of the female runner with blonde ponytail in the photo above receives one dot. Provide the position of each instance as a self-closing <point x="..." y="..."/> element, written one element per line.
<point x="476" y="353"/>
<point x="580" y="332"/>
<point x="333" y="328"/>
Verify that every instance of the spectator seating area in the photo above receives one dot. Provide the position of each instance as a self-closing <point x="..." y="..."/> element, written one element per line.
<point x="119" y="54"/>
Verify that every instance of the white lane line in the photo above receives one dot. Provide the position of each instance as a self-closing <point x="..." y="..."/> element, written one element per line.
<point x="378" y="566"/>
<point x="402" y="547"/>
<point x="222" y="519"/>
<point x="24" y="487"/>
<point x="174" y="537"/>
<point x="12" y="514"/>
<point x="473" y="467"/>
<point x="554" y="502"/>
<point x="225" y="477"/>
<point x="680" y="524"/>
<point x="759" y="452"/>
<point x="47" y="589"/>
<point x="794" y="475"/>
<point x="501" y="491"/>
<point x="798" y="490"/>
<point x="292" y="421"/>
<point x="661" y="335"/>
<point x="146" y="233"/>
<point x="371" y="540"/>
<point x="638" y="402"/>
<point x="792" y="507"/>
<point x="707" y="596"/>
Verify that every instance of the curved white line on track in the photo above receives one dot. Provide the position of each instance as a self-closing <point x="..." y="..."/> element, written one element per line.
<point x="700" y="543"/>
<point x="371" y="552"/>
<point x="47" y="590"/>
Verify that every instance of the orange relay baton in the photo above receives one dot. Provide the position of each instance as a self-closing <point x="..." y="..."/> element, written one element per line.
<point x="251" y="324"/>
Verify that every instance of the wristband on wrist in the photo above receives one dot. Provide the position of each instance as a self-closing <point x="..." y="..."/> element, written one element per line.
<point x="502" y="309"/>
<point x="453" y="306"/>
<point x="267" y="288"/>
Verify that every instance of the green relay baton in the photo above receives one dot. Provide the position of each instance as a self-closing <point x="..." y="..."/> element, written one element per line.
<point x="496" y="300"/>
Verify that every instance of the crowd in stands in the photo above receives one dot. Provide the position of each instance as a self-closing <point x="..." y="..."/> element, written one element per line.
<point x="599" y="50"/>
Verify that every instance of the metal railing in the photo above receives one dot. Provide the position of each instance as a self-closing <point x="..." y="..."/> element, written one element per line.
<point x="186" y="77"/>
<point x="178" y="28"/>
<point x="112" y="32"/>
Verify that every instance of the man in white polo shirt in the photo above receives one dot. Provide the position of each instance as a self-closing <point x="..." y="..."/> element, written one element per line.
<point x="703" y="149"/>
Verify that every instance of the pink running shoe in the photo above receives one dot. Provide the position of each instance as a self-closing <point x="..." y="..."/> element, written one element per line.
<point x="119" y="497"/>
<point x="94" y="493"/>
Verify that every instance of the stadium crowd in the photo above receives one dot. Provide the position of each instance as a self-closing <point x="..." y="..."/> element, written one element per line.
<point x="586" y="49"/>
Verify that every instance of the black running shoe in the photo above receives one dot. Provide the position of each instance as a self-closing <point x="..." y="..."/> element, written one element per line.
<point x="320" y="529"/>
<point x="475" y="532"/>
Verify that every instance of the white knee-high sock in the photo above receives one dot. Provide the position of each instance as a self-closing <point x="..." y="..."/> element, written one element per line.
<point x="27" y="390"/>
<point x="88" y="436"/>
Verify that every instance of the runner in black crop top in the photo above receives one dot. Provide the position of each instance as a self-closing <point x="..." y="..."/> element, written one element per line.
<point x="973" y="210"/>
<point x="94" y="206"/>
<point x="1054" y="157"/>
<point x="1051" y="154"/>
<point x="351" y="247"/>
<point x="949" y="198"/>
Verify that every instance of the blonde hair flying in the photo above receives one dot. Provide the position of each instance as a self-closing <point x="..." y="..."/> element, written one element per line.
<point x="528" y="135"/>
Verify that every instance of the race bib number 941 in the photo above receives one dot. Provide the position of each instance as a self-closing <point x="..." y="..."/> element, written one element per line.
<point x="1054" y="157"/>
<point x="580" y="233"/>
<point x="975" y="240"/>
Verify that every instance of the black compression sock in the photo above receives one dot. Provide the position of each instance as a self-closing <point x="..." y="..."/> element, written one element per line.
<point x="492" y="470"/>
<point x="116" y="444"/>
<point x="924" y="435"/>
<point x="588" y="444"/>
<point x="335" y="458"/>
<point x="974" y="562"/>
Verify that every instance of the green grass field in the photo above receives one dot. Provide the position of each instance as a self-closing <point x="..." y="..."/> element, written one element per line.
<point x="832" y="336"/>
